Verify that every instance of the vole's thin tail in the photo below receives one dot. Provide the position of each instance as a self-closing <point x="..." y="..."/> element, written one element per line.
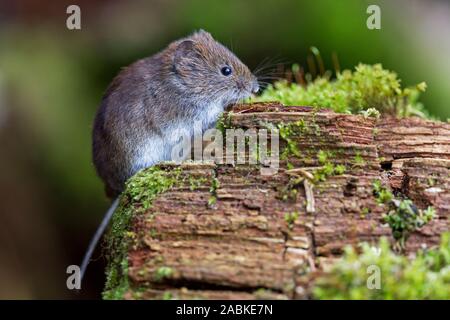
<point x="98" y="234"/>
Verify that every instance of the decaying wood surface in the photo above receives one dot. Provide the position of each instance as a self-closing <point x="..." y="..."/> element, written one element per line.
<point x="242" y="247"/>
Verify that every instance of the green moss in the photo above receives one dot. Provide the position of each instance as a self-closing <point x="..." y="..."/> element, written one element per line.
<point x="328" y="168"/>
<point x="212" y="200"/>
<point x="138" y="293"/>
<point x="289" y="191"/>
<point x="287" y="132"/>
<point x="213" y="191"/>
<point x="261" y="293"/>
<point x="140" y="191"/>
<point x="153" y="233"/>
<point x="371" y="113"/>
<point x="324" y="172"/>
<point x="426" y="276"/>
<point x="403" y="216"/>
<point x="224" y="122"/>
<point x="167" y="295"/>
<point x="382" y="194"/>
<point x="431" y="182"/>
<point x="323" y="156"/>
<point x="214" y="185"/>
<point x="163" y="273"/>
<point x="364" y="212"/>
<point x="290" y="218"/>
<point x="339" y="169"/>
<point x="359" y="160"/>
<point x="367" y="88"/>
<point x="196" y="182"/>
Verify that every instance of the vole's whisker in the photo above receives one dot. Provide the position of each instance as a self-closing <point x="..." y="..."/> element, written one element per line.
<point x="262" y="64"/>
<point x="270" y="78"/>
<point x="268" y="64"/>
<point x="271" y="61"/>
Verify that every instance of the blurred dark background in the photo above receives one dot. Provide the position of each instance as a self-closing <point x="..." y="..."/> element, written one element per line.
<point x="52" y="79"/>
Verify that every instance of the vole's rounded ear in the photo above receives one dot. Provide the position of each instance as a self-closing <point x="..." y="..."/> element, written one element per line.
<point x="184" y="51"/>
<point x="204" y="34"/>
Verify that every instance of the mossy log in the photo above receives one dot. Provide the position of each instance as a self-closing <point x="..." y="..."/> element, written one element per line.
<point x="228" y="232"/>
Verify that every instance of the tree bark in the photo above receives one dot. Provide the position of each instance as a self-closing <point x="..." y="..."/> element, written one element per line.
<point x="243" y="246"/>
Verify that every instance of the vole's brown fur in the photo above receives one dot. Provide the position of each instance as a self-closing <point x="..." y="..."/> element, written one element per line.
<point x="156" y="98"/>
<point x="153" y="102"/>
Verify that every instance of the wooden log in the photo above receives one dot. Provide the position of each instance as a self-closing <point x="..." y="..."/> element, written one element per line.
<point x="228" y="232"/>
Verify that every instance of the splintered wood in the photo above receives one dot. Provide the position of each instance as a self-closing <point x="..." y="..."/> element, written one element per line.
<point x="263" y="236"/>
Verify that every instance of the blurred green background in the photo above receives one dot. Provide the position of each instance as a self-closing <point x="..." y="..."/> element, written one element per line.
<point x="52" y="80"/>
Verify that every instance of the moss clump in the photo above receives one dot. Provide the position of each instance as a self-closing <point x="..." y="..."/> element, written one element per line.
<point x="371" y="113"/>
<point x="328" y="168"/>
<point x="140" y="191"/>
<point x="287" y="132"/>
<point x="364" y="212"/>
<point x="163" y="273"/>
<point x="359" y="160"/>
<point x="382" y="194"/>
<point x="403" y="216"/>
<point x="368" y="87"/>
<point x="289" y="191"/>
<point x="196" y="182"/>
<point x="215" y="184"/>
<point x="426" y="276"/>
<point x="290" y="218"/>
<point x="167" y="295"/>
<point x="224" y="122"/>
<point x="292" y="130"/>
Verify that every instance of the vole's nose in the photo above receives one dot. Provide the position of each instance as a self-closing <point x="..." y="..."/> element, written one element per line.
<point x="255" y="87"/>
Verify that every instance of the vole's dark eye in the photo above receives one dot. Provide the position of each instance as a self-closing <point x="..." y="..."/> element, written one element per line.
<point x="226" y="71"/>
